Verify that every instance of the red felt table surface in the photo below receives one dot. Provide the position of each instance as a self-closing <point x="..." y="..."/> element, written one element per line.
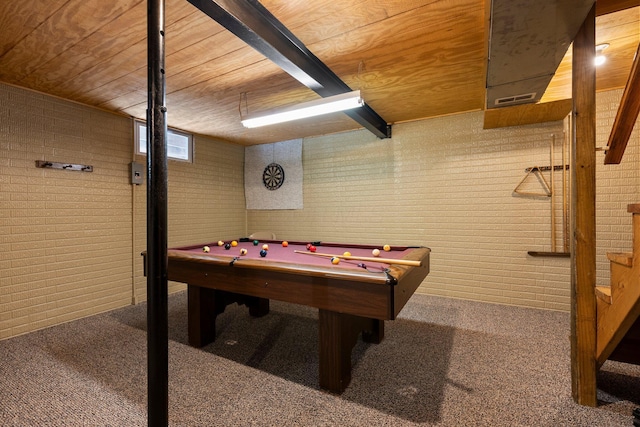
<point x="278" y="253"/>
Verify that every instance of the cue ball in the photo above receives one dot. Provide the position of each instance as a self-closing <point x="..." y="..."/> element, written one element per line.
<point x="376" y="252"/>
<point x="227" y="246"/>
<point x="265" y="247"/>
<point x="347" y="253"/>
<point x="205" y="249"/>
<point x="285" y="244"/>
<point x="387" y="248"/>
<point x="255" y="243"/>
<point x="308" y="246"/>
<point x="234" y="243"/>
<point x="312" y="248"/>
<point x="220" y="243"/>
<point x="243" y="251"/>
<point x="335" y="260"/>
<point x="263" y="253"/>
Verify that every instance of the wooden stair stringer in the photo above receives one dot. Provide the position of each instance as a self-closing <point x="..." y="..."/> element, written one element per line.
<point x="615" y="320"/>
<point x="618" y="307"/>
<point x="628" y="351"/>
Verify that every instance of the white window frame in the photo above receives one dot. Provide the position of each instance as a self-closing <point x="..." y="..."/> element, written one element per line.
<point x="181" y="152"/>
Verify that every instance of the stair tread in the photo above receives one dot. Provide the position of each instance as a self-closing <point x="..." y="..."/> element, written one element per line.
<point x="633" y="208"/>
<point x="622" y="258"/>
<point x="604" y="293"/>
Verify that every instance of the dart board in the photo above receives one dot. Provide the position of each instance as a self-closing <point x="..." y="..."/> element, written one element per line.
<point x="273" y="176"/>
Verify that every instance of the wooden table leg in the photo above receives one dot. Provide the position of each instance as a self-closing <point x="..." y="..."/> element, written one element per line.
<point x="338" y="334"/>
<point x="201" y="314"/>
<point x="204" y="305"/>
<point x="258" y="307"/>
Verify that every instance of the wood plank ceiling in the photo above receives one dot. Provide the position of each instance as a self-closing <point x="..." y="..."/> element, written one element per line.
<point x="411" y="59"/>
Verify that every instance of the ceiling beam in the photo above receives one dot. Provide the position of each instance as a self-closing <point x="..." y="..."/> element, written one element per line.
<point x="256" y="26"/>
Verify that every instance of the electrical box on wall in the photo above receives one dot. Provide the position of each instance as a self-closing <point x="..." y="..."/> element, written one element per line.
<point x="137" y="173"/>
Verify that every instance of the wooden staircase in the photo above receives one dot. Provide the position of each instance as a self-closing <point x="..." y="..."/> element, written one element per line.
<point x="618" y="306"/>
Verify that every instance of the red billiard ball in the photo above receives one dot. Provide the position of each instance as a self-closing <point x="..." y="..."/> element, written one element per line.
<point x="312" y="248"/>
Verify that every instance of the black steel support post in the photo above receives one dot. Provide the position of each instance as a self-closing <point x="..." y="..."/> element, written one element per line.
<point x="157" y="311"/>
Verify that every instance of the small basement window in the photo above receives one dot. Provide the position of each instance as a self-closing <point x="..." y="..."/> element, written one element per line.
<point x="179" y="144"/>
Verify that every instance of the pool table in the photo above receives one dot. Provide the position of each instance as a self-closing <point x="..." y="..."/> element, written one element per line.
<point x="353" y="296"/>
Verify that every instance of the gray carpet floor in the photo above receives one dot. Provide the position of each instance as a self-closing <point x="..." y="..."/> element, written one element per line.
<point x="444" y="362"/>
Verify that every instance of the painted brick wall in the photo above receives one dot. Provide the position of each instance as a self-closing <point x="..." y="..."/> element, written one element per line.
<point x="616" y="187"/>
<point x="65" y="237"/>
<point x="70" y="242"/>
<point x="206" y="202"/>
<point x="448" y="184"/>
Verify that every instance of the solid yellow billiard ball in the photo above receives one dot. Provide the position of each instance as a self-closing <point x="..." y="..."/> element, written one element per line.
<point x="206" y="249"/>
<point x="243" y="251"/>
<point x="347" y="253"/>
<point x="220" y="243"/>
<point x="387" y="248"/>
<point x="285" y="244"/>
<point x="335" y="260"/>
<point x="234" y="243"/>
<point x="265" y="247"/>
<point x="376" y="252"/>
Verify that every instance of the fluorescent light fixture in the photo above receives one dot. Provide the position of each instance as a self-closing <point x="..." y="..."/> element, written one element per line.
<point x="330" y="104"/>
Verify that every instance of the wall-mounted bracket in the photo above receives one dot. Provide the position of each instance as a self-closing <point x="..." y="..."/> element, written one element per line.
<point x="65" y="166"/>
<point x="546" y="168"/>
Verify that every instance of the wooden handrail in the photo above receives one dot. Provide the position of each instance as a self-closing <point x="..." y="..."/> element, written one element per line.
<point x="604" y="7"/>
<point x="626" y="116"/>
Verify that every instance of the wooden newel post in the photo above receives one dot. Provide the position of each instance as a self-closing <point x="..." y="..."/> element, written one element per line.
<point x="583" y="259"/>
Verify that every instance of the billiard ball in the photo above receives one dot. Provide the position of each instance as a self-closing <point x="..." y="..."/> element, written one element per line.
<point x="347" y="253"/>
<point x="335" y="260"/>
<point x="227" y="246"/>
<point x="243" y="251"/>
<point x="285" y="244"/>
<point x="387" y="248"/>
<point x="312" y="248"/>
<point x="220" y="243"/>
<point x="265" y="247"/>
<point x="234" y="243"/>
<point x="255" y="243"/>
<point x="263" y="253"/>
<point x="206" y="249"/>
<point x="308" y="246"/>
<point x="376" y="252"/>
